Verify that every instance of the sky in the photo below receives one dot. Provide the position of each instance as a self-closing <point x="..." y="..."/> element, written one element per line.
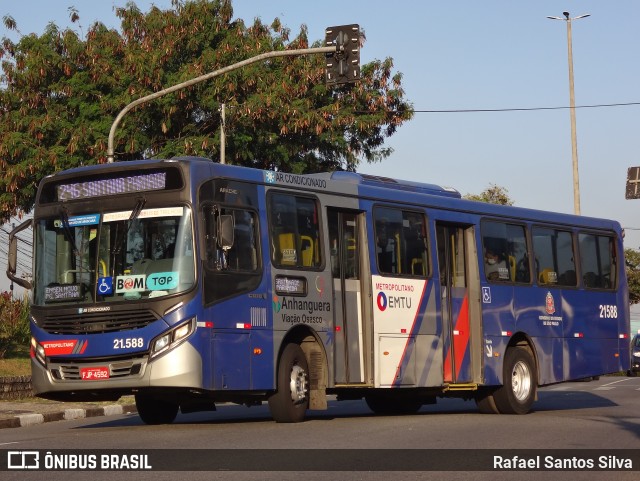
<point x="458" y="56"/>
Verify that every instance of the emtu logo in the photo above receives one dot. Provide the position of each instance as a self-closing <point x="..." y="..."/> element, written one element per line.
<point x="382" y="301"/>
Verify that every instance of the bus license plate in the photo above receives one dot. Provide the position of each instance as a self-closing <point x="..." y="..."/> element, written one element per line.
<point x="94" y="373"/>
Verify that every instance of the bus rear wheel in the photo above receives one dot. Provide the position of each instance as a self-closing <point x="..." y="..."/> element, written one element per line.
<point x="153" y="410"/>
<point x="290" y="402"/>
<point x="518" y="391"/>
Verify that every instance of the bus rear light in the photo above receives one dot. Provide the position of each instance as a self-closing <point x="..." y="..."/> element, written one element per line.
<point x="241" y="325"/>
<point x="507" y="333"/>
<point x="578" y="334"/>
<point x="624" y="336"/>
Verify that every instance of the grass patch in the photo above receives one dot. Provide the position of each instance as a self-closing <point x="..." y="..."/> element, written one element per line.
<point x="16" y="363"/>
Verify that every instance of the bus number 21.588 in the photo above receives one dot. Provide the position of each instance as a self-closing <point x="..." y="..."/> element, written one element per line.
<point x="128" y="343"/>
<point x="607" y="311"/>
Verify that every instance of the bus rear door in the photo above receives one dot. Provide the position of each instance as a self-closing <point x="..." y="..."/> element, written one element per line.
<point x="453" y="255"/>
<point x="348" y="262"/>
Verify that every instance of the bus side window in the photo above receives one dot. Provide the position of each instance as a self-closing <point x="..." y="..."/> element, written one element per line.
<point x="505" y="251"/>
<point x="400" y="242"/>
<point x="597" y="260"/>
<point x="554" y="252"/>
<point x="294" y="231"/>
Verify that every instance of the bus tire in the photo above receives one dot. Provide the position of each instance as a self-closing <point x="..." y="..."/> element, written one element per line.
<point x="486" y="402"/>
<point x="518" y="390"/>
<point x="153" y="410"/>
<point x="290" y="402"/>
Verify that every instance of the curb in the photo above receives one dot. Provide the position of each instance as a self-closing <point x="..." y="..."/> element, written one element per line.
<point x="23" y="420"/>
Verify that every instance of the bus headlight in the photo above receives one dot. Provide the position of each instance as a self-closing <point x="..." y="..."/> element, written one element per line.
<point x="173" y="338"/>
<point x="37" y="351"/>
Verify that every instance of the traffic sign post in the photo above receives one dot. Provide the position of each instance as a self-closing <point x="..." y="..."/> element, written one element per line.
<point x="343" y="64"/>
<point x="633" y="183"/>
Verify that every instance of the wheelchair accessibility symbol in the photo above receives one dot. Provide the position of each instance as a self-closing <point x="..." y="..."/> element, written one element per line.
<point x="486" y="295"/>
<point x="105" y="286"/>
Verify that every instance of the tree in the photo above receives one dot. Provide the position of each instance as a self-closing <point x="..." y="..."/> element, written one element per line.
<point x="632" y="265"/>
<point x="60" y="91"/>
<point x="493" y="194"/>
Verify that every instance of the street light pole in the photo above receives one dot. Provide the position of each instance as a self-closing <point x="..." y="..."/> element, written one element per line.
<point x="572" y="107"/>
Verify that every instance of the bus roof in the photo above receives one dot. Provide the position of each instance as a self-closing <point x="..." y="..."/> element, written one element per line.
<point x="352" y="183"/>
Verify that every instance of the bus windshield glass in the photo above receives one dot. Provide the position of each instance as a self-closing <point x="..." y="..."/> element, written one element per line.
<point x="113" y="256"/>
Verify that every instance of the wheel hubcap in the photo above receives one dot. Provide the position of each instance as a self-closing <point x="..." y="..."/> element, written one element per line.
<point x="298" y="384"/>
<point x="521" y="381"/>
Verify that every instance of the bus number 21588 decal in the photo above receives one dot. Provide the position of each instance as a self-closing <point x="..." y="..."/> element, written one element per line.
<point x="607" y="311"/>
<point x="128" y="343"/>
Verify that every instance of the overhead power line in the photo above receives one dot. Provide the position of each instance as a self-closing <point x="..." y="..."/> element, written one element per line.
<point x="524" y="109"/>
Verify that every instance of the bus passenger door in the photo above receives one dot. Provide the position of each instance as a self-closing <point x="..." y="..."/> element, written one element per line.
<point x="346" y="231"/>
<point x="454" y="297"/>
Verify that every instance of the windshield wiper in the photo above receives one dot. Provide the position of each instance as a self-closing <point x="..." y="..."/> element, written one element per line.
<point x="66" y="229"/>
<point x="141" y="201"/>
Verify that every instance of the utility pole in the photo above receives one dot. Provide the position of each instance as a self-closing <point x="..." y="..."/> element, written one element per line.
<point x="222" y="134"/>
<point x="572" y="108"/>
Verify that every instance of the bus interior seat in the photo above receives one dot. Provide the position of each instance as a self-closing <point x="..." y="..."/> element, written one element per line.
<point x="590" y="279"/>
<point x="548" y="276"/>
<point x="569" y="278"/>
<point x="417" y="262"/>
<point x="512" y="267"/>
<point x="414" y="252"/>
<point x="287" y="249"/>
<point x="307" y="250"/>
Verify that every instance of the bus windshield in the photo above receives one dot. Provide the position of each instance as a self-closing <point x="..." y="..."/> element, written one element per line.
<point x="114" y="256"/>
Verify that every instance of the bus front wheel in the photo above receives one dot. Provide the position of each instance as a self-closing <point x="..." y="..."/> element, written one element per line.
<point x="153" y="410"/>
<point x="518" y="391"/>
<point x="290" y="402"/>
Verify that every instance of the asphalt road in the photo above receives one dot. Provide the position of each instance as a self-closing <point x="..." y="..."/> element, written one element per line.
<point x="590" y="417"/>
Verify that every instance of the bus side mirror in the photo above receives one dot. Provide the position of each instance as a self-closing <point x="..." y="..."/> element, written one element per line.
<point x="12" y="260"/>
<point x="225" y="232"/>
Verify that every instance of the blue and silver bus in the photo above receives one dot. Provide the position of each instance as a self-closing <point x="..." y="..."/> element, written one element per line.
<point x="187" y="283"/>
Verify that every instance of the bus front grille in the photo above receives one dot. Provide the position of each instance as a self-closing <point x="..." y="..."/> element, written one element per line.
<point x="91" y="323"/>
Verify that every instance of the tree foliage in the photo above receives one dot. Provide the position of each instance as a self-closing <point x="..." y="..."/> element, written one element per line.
<point x="60" y="91"/>
<point x="493" y="194"/>
<point x="632" y="264"/>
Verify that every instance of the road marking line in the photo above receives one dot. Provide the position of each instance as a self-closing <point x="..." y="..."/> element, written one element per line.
<point x="615" y="382"/>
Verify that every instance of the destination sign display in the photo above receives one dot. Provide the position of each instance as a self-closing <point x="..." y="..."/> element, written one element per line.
<point x="295" y="286"/>
<point x="112" y="186"/>
<point x="64" y="292"/>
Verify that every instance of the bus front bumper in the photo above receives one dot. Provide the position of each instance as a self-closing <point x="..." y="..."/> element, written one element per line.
<point x="81" y="379"/>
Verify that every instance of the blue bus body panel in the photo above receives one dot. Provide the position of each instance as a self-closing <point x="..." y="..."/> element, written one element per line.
<point x="574" y="332"/>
